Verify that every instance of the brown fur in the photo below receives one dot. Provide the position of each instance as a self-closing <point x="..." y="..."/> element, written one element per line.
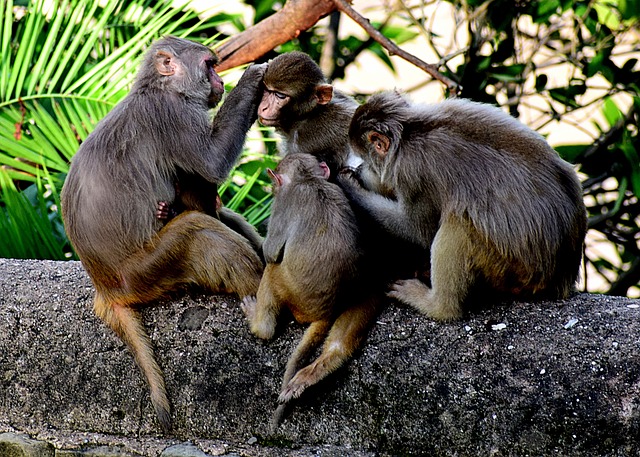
<point x="491" y="199"/>
<point x="160" y="133"/>
<point x="310" y="115"/>
<point x="313" y="260"/>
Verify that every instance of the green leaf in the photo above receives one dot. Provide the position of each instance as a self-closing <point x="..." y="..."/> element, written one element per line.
<point x="507" y="73"/>
<point x="611" y="111"/>
<point x="570" y="152"/>
<point x="633" y="159"/>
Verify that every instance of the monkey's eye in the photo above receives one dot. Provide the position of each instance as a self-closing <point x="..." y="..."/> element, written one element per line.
<point x="280" y="95"/>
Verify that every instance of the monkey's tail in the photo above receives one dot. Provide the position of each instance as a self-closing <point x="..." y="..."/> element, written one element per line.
<point x="125" y="322"/>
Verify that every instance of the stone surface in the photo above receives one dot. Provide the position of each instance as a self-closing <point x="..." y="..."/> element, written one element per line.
<point x="559" y="378"/>
<point x="15" y="445"/>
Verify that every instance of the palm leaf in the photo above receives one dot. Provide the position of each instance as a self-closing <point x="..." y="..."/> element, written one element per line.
<point x="64" y="68"/>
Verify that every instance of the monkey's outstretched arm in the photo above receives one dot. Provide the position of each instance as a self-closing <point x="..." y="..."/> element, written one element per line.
<point x="230" y="126"/>
<point x="390" y="214"/>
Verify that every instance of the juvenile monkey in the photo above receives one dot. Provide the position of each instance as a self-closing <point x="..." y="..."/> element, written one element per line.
<point x="310" y="115"/>
<point x="313" y="260"/>
<point x="158" y="135"/>
<point x="492" y="200"/>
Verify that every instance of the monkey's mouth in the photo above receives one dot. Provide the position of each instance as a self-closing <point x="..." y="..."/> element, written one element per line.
<point x="268" y="122"/>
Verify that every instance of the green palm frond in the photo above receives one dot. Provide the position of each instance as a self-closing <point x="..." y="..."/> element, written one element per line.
<point x="64" y="65"/>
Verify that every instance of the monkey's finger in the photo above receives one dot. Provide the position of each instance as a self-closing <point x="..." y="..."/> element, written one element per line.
<point x="248" y="305"/>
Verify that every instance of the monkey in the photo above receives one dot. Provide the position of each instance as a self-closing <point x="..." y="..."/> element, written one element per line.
<point x="494" y="203"/>
<point x="313" y="260"/>
<point x="160" y="133"/>
<point x="197" y="194"/>
<point x="306" y="111"/>
<point x="313" y="117"/>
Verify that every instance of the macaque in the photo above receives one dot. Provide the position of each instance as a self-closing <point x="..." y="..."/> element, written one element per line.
<point x="310" y="115"/>
<point x="313" y="270"/>
<point x="159" y="135"/>
<point x="197" y="194"/>
<point x="494" y="203"/>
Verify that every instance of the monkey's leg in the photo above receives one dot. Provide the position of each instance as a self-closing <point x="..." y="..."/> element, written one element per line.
<point x="312" y="338"/>
<point x="451" y="276"/>
<point x="345" y="336"/>
<point x="192" y="248"/>
<point x="125" y="322"/>
<point x="195" y="248"/>
<point x="263" y="310"/>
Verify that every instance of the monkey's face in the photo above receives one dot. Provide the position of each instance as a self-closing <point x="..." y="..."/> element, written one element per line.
<point x="215" y="81"/>
<point x="272" y="106"/>
<point x="294" y="86"/>
<point x="187" y="68"/>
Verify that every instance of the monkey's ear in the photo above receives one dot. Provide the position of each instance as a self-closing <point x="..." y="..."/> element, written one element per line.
<point x="326" y="172"/>
<point x="164" y="63"/>
<point x="324" y="93"/>
<point x="380" y="142"/>
<point x="275" y="177"/>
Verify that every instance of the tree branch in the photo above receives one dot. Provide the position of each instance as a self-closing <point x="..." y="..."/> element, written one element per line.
<point x="393" y="49"/>
<point x="295" y="16"/>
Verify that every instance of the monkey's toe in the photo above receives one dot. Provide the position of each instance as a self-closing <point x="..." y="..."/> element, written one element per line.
<point x="409" y="291"/>
<point x="248" y="306"/>
<point x="416" y="294"/>
<point x="293" y="390"/>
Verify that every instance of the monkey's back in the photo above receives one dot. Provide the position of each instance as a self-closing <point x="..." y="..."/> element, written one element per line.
<point x="115" y="182"/>
<point x="491" y="171"/>
<point x="320" y="252"/>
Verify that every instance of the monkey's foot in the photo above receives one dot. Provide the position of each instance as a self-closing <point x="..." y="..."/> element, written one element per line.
<point x="416" y="294"/>
<point x="248" y="306"/>
<point x="165" y="211"/>
<point x="295" y="387"/>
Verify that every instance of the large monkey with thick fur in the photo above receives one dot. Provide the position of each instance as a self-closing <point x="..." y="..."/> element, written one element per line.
<point x="492" y="200"/>
<point x="159" y="134"/>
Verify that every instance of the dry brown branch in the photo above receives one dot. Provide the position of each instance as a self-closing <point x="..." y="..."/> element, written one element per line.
<point x="393" y="49"/>
<point x="295" y="17"/>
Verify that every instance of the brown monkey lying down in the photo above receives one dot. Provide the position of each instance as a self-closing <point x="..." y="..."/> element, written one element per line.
<point x="158" y="137"/>
<point x="494" y="202"/>
<point x="313" y="263"/>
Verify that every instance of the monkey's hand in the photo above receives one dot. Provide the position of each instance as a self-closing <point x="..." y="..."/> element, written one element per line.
<point x="165" y="211"/>
<point x="251" y="81"/>
<point x="254" y="74"/>
<point x="348" y="177"/>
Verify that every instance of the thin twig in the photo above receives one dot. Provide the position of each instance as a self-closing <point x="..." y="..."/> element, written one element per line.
<point x="393" y="49"/>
